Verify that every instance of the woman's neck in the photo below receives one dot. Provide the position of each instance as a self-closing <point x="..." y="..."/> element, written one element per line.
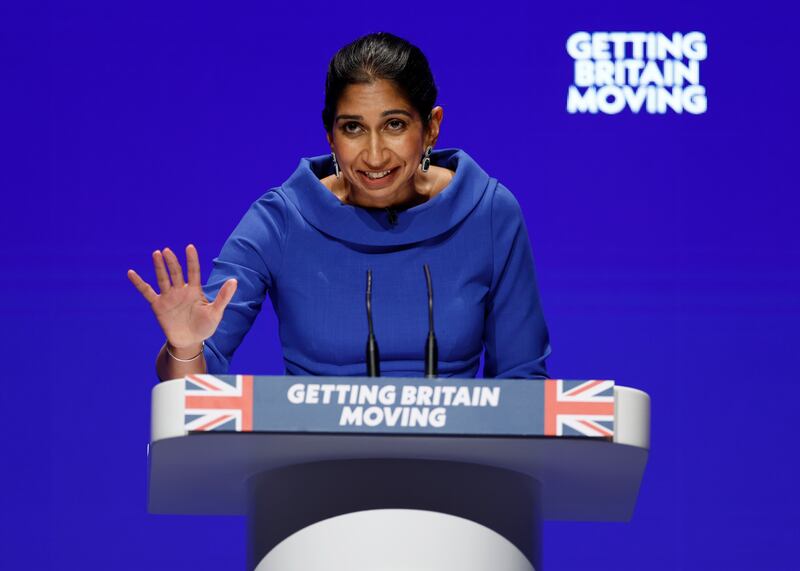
<point x="424" y="186"/>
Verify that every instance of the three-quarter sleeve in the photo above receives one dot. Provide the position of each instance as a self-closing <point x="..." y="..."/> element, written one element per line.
<point x="253" y="254"/>
<point x="515" y="336"/>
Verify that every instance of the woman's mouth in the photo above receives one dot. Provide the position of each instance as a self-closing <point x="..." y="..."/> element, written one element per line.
<point x="378" y="179"/>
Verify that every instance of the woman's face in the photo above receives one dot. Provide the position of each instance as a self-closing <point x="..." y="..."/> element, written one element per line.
<point x="379" y="139"/>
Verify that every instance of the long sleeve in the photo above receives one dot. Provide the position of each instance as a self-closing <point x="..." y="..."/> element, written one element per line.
<point x="253" y="254"/>
<point x="515" y="335"/>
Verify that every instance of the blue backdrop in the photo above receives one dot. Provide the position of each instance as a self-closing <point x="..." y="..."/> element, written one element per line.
<point x="666" y="247"/>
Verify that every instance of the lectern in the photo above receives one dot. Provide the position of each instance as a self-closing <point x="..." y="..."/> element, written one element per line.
<point x="369" y="474"/>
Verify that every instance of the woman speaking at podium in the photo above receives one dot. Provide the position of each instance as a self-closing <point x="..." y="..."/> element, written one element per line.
<point x="383" y="201"/>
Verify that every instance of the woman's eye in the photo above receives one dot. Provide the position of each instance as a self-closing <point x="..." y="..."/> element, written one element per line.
<point x="396" y="124"/>
<point x="351" y="127"/>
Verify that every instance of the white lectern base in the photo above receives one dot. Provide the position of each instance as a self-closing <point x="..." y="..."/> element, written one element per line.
<point x="340" y="515"/>
<point x="395" y="540"/>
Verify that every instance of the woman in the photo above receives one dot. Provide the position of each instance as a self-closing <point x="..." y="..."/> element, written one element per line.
<point x="384" y="200"/>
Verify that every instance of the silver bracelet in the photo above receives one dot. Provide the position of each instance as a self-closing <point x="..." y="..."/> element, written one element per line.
<point x="202" y="346"/>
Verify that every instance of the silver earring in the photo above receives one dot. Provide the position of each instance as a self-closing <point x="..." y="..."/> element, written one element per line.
<point x="426" y="159"/>
<point x="336" y="166"/>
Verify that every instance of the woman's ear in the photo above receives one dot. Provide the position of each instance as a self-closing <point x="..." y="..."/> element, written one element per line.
<point x="434" y="125"/>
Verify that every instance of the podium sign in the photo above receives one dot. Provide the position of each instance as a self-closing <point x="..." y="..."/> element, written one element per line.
<point x="243" y="403"/>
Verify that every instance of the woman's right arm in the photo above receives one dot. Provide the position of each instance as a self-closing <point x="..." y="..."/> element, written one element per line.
<point x="183" y="312"/>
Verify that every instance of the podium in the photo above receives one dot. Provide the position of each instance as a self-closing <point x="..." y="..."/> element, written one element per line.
<point x="384" y="473"/>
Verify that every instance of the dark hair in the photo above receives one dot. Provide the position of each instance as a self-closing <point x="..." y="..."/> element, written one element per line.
<point x="380" y="56"/>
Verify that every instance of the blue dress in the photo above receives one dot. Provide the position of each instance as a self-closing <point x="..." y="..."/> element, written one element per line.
<point x="307" y="251"/>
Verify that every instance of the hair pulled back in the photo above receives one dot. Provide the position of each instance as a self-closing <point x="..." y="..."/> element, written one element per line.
<point x="380" y="56"/>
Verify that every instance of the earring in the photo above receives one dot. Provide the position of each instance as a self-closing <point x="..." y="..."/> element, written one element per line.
<point x="336" y="166"/>
<point x="426" y="159"/>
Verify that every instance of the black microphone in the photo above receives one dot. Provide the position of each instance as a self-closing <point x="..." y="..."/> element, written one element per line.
<point x="373" y="358"/>
<point x="431" y="349"/>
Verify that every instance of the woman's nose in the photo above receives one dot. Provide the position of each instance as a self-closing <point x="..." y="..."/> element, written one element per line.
<point x="376" y="155"/>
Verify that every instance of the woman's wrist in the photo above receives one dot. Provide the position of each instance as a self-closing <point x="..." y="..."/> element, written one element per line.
<point x="184" y="354"/>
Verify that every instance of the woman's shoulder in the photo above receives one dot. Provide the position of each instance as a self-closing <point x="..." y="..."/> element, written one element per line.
<point x="504" y="197"/>
<point x="505" y="207"/>
<point x="267" y="211"/>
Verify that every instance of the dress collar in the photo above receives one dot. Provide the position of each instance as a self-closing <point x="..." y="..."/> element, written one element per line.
<point x="370" y="226"/>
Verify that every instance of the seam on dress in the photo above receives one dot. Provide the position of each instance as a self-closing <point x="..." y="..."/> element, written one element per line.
<point x="285" y="232"/>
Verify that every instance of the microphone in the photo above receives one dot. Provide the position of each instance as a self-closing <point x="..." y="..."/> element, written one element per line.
<point x="373" y="358"/>
<point x="431" y="349"/>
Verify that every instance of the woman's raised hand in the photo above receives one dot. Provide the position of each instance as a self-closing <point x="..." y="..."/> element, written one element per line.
<point x="182" y="310"/>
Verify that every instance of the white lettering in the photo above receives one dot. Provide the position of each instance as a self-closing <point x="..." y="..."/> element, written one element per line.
<point x="578" y="102"/>
<point x="610" y="99"/>
<point x="368" y="394"/>
<point x="424" y="394"/>
<point x="409" y="395"/>
<point x="490" y="396"/>
<point x="438" y="417"/>
<point x="373" y="416"/>
<point x="352" y="416"/>
<point x="296" y="393"/>
<point x="312" y="394"/>
<point x="584" y="72"/>
<point x="386" y="394"/>
<point x="694" y="99"/>
<point x="650" y="71"/>
<point x="694" y="46"/>
<point x="579" y="45"/>
<point x="462" y="396"/>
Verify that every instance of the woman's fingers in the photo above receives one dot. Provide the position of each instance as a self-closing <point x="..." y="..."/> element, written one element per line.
<point x="192" y="265"/>
<point x="174" y="266"/>
<point x="144" y="288"/>
<point x="161" y="272"/>
<point x="225" y="295"/>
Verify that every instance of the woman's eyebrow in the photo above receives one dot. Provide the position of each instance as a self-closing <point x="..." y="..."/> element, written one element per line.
<point x="384" y="114"/>
<point x="396" y="112"/>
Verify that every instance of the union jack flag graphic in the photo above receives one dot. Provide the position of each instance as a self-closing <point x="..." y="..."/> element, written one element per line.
<point x="220" y="404"/>
<point x="578" y="408"/>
